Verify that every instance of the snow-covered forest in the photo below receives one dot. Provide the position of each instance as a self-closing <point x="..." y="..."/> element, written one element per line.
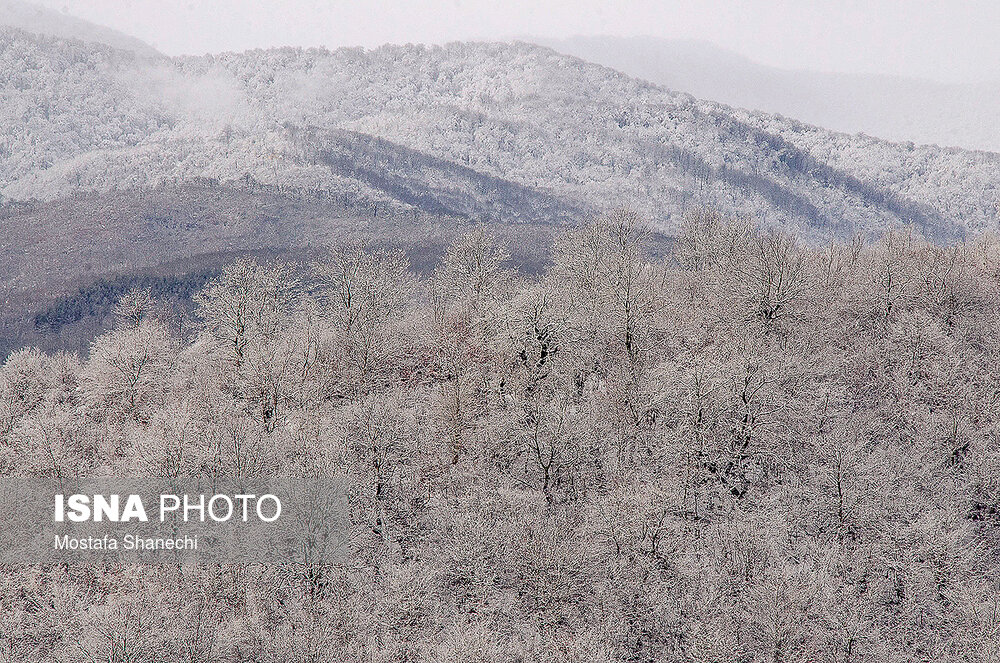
<point x="610" y="373"/>
<point x="86" y="117"/>
<point x="749" y="450"/>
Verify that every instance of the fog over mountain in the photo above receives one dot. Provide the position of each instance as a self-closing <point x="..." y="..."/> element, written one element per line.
<point x="890" y="107"/>
<point x="35" y="18"/>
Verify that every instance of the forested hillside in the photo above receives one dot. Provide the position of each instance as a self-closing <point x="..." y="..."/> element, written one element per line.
<point x="57" y="287"/>
<point x="749" y="450"/>
<point x="119" y="165"/>
<point x="504" y="116"/>
<point x="114" y="164"/>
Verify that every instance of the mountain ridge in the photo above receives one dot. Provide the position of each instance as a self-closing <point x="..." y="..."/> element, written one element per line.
<point x="42" y="20"/>
<point x="892" y="107"/>
<point x="511" y="111"/>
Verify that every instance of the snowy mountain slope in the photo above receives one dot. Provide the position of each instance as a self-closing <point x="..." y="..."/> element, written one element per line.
<point x="549" y="125"/>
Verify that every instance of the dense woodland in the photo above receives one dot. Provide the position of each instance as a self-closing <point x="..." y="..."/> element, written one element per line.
<point x="750" y="450"/>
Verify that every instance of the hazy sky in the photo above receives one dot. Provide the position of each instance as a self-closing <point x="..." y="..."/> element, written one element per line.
<point x="951" y="40"/>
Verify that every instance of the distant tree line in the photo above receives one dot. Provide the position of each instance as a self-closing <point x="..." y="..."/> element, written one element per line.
<point x="99" y="298"/>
